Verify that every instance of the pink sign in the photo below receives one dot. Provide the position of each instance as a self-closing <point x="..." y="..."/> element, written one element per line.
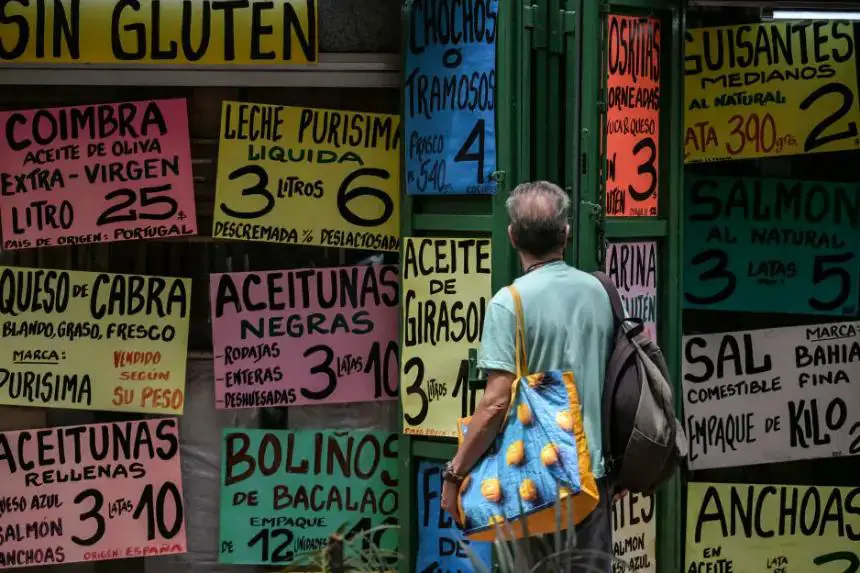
<point x="90" y="493"/>
<point x="95" y="173"/>
<point x="633" y="269"/>
<point x="307" y="336"/>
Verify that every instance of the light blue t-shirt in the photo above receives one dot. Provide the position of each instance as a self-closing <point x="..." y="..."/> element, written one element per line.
<point x="569" y="327"/>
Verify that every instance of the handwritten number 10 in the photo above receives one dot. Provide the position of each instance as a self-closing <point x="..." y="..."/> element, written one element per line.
<point x="478" y="134"/>
<point x="153" y="506"/>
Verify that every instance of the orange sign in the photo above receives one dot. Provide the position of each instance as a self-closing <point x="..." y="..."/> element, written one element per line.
<point x="633" y="117"/>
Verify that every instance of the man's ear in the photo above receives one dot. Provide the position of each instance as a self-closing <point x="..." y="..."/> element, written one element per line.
<point x="511" y="236"/>
<point x="566" y="233"/>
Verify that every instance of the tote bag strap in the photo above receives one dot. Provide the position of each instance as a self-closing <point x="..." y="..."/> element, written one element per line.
<point x="521" y="359"/>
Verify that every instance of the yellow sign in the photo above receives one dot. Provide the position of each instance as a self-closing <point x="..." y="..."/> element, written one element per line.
<point x="738" y="528"/>
<point x="198" y="32"/>
<point x="446" y="288"/>
<point x="780" y="88"/>
<point x="308" y="176"/>
<point x="93" y="341"/>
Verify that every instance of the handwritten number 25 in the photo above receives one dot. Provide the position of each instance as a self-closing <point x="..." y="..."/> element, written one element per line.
<point x="853" y="561"/>
<point x="720" y="270"/>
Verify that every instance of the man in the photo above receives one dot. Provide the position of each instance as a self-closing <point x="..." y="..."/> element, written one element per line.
<point x="569" y="326"/>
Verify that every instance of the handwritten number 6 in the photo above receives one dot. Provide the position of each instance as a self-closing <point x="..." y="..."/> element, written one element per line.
<point x="646" y="168"/>
<point x="852" y="559"/>
<point x="345" y="195"/>
<point x="323" y="368"/>
<point x="719" y="271"/>
<point x="416" y="389"/>
<point x="820" y="273"/>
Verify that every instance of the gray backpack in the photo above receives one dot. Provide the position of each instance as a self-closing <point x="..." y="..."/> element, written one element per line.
<point x="643" y="441"/>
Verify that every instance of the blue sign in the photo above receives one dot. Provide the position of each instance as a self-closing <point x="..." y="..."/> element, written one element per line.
<point x="439" y="538"/>
<point x="771" y="245"/>
<point x="450" y="103"/>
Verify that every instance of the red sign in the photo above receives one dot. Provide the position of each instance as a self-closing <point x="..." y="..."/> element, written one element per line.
<point x="633" y="117"/>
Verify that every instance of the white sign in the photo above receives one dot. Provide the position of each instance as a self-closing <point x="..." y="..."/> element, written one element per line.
<point x="773" y="395"/>
<point x="634" y="535"/>
<point x="633" y="269"/>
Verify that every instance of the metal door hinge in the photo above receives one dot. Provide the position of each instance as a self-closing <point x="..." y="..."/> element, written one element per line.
<point x="534" y="19"/>
<point x="561" y="25"/>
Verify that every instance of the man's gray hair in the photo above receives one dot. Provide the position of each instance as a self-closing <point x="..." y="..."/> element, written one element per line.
<point x="538" y="213"/>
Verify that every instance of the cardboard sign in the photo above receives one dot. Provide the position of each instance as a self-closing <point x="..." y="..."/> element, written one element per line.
<point x="765" y="528"/>
<point x="633" y="116"/>
<point x="170" y="32"/>
<point x="308" y="176"/>
<point x="634" y="534"/>
<point x="441" y="544"/>
<point x="93" y="341"/>
<point x="446" y="289"/>
<point x="771" y="245"/>
<point x="764" y="90"/>
<point x="308" y="336"/>
<point x="766" y="396"/>
<point x="451" y="98"/>
<point x="95" y="173"/>
<point x="633" y="269"/>
<point x="90" y="493"/>
<point x="284" y="493"/>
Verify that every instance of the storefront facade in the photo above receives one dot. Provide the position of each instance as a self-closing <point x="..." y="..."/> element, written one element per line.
<point x="393" y="187"/>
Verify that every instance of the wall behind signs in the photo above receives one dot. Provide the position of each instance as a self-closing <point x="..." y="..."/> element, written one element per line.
<point x="837" y="166"/>
<point x="197" y="259"/>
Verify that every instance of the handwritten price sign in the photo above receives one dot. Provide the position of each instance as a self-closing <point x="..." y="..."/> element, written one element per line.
<point x="450" y="98"/>
<point x="94" y="174"/>
<point x="308" y="176"/>
<point x="771" y="245"/>
<point x="90" y="493"/>
<point x="633" y="117"/>
<point x="305" y="336"/>
<point x="780" y="88"/>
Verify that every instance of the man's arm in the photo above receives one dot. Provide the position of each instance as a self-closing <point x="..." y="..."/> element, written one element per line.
<point x="496" y="358"/>
<point x="486" y="421"/>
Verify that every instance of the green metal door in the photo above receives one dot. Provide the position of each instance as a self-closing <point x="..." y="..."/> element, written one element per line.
<point x="607" y="213"/>
<point x="473" y="216"/>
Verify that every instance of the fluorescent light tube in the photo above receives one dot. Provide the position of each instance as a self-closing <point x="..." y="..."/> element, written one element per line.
<point x="814" y="15"/>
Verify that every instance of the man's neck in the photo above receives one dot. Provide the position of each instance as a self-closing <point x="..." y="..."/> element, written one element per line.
<point x="528" y="261"/>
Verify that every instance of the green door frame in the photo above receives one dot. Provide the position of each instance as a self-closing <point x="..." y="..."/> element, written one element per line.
<point x="595" y="231"/>
<point x="465" y="216"/>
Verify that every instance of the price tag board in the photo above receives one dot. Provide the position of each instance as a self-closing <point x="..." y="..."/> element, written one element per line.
<point x="303" y="176"/>
<point x="90" y="493"/>
<point x="633" y="270"/>
<point x="766" y="528"/>
<point x="283" y="494"/>
<point x="771" y="89"/>
<point x="441" y="544"/>
<point x="450" y="95"/>
<point x="93" y="341"/>
<point x="633" y="116"/>
<point x="767" y="396"/>
<point x="446" y="289"/>
<point x="771" y="245"/>
<point x="634" y="534"/>
<point x="306" y="336"/>
<point x="96" y="174"/>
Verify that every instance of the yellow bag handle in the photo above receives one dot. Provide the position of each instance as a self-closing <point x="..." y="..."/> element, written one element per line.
<point x="521" y="360"/>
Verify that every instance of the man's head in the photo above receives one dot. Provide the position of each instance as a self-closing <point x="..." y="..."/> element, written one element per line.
<point x="538" y="216"/>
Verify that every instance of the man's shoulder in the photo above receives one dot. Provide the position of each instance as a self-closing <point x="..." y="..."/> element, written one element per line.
<point x="504" y="299"/>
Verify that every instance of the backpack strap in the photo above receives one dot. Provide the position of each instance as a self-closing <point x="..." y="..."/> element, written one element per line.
<point x="618" y="314"/>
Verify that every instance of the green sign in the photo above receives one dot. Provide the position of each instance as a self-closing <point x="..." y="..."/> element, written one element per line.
<point x="284" y="493"/>
<point x="771" y="245"/>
